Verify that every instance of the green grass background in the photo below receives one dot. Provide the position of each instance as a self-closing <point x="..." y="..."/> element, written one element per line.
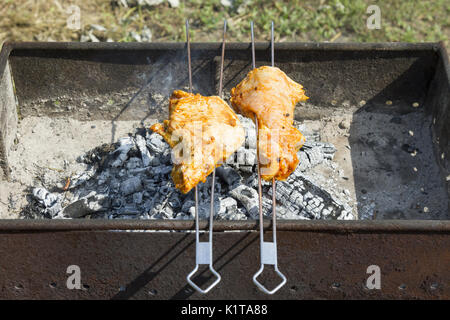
<point x="315" y="20"/>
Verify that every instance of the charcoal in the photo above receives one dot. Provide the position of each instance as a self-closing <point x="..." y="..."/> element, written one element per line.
<point x="77" y="209"/>
<point x="148" y="204"/>
<point x="250" y="132"/>
<point x="90" y="204"/>
<point x="51" y="202"/>
<point x="166" y="157"/>
<point x="122" y="173"/>
<point x="156" y="144"/>
<point x="310" y="135"/>
<point x="167" y="212"/>
<point x="204" y="208"/>
<point x="248" y="197"/>
<point x="191" y="211"/>
<point x="229" y="175"/>
<point x="245" y="157"/>
<point x="247" y="169"/>
<point x="146" y="157"/>
<point x="346" y="215"/>
<point x="174" y="201"/>
<point x="314" y="153"/>
<point x="133" y="163"/>
<point x="131" y="185"/>
<point x="227" y="205"/>
<point x="117" y="203"/>
<point x="129" y="209"/>
<point x="102" y="178"/>
<point x="44" y="197"/>
<point x="313" y="201"/>
<point x="131" y="179"/>
<point x="154" y="161"/>
<point x="266" y="207"/>
<point x="125" y="145"/>
<point x="124" y="217"/>
<point x="187" y="205"/>
<point x="137" y="197"/>
<point x="148" y="182"/>
<point x="161" y="170"/>
<point x="81" y="178"/>
<point x="304" y="163"/>
<point x="249" y="157"/>
<point x="183" y="216"/>
<point x="315" y="156"/>
<point x="137" y="170"/>
<point x="326" y="149"/>
<point x="229" y="210"/>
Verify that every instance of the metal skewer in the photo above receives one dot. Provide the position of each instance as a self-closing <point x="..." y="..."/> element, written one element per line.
<point x="203" y="250"/>
<point x="268" y="250"/>
<point x="253" y="46"/>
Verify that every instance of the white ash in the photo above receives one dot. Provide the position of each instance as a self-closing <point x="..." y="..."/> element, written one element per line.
<point x="131" y="180"/>
<point x="91" y="203"/>
<point x="301" y="193"/>
<point x="248" y="197"/>
<point x="48" y="203"/>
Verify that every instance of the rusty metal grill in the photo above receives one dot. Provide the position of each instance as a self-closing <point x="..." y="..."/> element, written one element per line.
<point x="332" y="256"/>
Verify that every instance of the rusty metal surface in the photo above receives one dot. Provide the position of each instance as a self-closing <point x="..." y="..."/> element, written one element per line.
<point x="355" y="226"/>
<point x="438" y="101"/>
<point x="153" y="265"/>
<point x="333" y="73"/>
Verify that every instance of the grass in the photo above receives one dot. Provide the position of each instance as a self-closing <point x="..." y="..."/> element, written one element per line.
<point x="296" y="20"/>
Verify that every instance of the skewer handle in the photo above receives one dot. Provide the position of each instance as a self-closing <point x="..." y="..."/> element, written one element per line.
<point x="203" y="255"/>
<point x="203" y="250"/>
<point x="268" y="250"/>
<point x="269" y="256"/>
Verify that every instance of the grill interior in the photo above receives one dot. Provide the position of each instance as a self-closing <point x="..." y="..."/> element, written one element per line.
<point x="393" y="150"/>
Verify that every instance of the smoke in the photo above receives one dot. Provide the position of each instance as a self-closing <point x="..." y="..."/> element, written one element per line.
<point x="165" y="74"/>
<point x="170" y="72"/>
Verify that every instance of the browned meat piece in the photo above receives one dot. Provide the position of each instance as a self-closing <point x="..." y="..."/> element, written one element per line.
<point x="271" y="95"/>
<point x="203" y="132"/>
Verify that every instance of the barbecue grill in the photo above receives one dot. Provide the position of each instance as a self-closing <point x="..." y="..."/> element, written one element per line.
<point x="320" y="259"/>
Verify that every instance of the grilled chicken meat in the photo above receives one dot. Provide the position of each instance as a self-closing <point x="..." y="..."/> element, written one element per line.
<point x="202" y="132"/>
<point x="271" y="95"/>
